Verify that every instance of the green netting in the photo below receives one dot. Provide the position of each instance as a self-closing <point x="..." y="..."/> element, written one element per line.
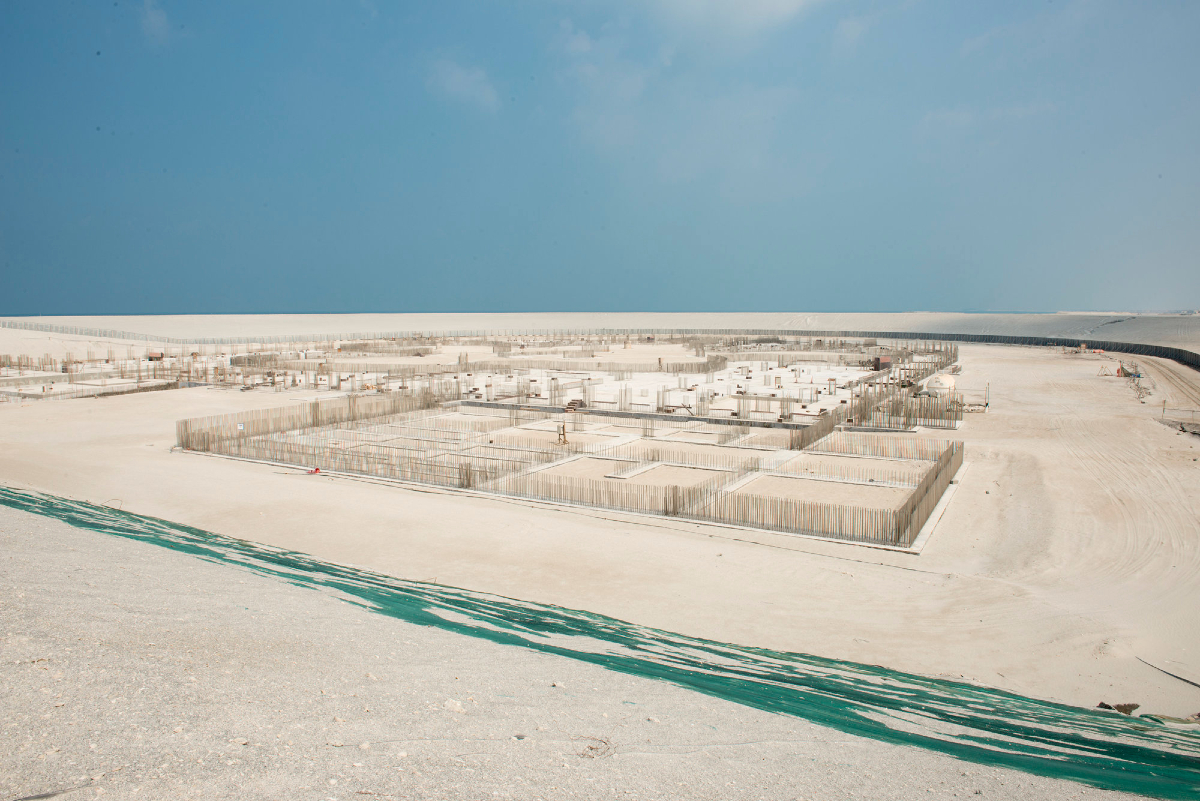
<point x="1147" y="755"/>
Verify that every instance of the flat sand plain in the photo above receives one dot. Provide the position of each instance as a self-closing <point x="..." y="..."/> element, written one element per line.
<point x="589" y="467"/>
<point x="911" y="470"/>
<point x="542" y="436"/>
<point x="809" y="489"/>
<point x="675" y="475"/>
<point x="1179" y="330"/>
<point x="1069" y="554"/>
<point x="685" y="448"/>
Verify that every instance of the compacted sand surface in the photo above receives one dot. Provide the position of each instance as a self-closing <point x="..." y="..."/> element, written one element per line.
<point x="1179" y="330"/>
<point x="818" y="464"/>
<point x="589" y="467"/>
<point x="1067" y="565"/>
<point x="132" y="671"/>
<point x="837" y="492"/>
<point x="668" y="475"/>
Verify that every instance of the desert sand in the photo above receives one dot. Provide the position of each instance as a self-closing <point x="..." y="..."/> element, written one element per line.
<point x="1066" y="566"/>
<point x="1068" y="555"/>
<point x="1178" y="330"/>
<point x="136" y="672"/>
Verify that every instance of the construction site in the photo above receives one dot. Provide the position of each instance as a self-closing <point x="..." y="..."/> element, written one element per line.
<point x="997" y="507"/>
<point x="526" y="401"/>
<point x="808" y="437"/>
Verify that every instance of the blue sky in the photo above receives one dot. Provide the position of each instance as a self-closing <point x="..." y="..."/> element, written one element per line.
<point x="164" y="156"/>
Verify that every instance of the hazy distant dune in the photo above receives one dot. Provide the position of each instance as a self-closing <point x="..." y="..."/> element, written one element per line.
<point x="1165" y="329"/>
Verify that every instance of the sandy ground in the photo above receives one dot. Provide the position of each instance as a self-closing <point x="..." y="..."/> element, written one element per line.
<point x="674" y="445"/>
<point x="1174" y="386"/>
<point x="135" y="672"/>
<point x="674" y="475"/>
<point x="823" y="463"/>
<point x="597" y="469"/>
<point x="1180" y="330"/>
<point x="586" y="467"/>
<point x="1071" y="550"/>
<point x="772" y="439"/>
<point x="807" y="489"/>
<point x="691" y="436"/>
<point x="541" y="436"/>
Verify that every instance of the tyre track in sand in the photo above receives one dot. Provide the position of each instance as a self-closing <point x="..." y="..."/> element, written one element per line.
<point x="1147" y="531"/>
<point x="1138" y="537"/>
<point x="1182" y="381"/>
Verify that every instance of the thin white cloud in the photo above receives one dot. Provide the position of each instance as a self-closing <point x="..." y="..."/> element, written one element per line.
<point x="640" y="112"/>
<point x="155" y="26"/>
<point x="1040" y="35"/>
<point x="976" y="44"/>
<point x="956" y="120"/>
<point x="949" y="119"/>
<point x="731" y="138"/>
<point x="609" y="86"/>
<point x="850" y="31"/>
<point x="1021" y="111"/>
<point x="734" y="16"/>
<point x="574" y="41"/>
<point x="469" y="85"/>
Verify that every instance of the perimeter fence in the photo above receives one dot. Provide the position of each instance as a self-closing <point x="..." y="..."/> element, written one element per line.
<point x="856" y="471"/>
<point x="510" y="367"/>
<point x="856" y="444"/>
<point x="409" y="438"/>
<point x="1180" y="415"/>
<point x="75" y="391"/>
<point x="210" y="433"/>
